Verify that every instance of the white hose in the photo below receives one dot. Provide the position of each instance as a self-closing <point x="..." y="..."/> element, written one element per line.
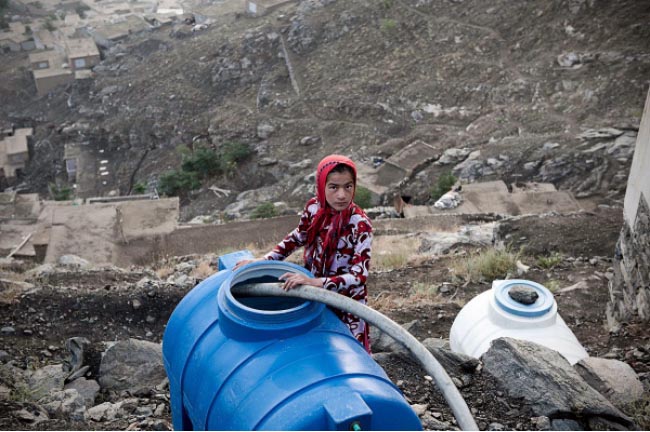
<point x="385" y="324"/>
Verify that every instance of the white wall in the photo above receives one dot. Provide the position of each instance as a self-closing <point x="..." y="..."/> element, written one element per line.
<point x="639" y="181"/>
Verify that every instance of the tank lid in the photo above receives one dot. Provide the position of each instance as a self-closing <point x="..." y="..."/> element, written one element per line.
<point x="539" y="307"/>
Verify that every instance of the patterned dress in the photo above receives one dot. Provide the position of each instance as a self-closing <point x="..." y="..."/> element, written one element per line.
<point x="348" y="271"/>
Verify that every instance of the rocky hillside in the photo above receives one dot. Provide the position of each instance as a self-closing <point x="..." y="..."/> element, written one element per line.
<point x="548" y="91"/>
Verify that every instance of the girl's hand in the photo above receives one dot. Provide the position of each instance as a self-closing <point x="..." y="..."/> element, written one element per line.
<point x="292" y="280"/>
<point x="246" y="261"/>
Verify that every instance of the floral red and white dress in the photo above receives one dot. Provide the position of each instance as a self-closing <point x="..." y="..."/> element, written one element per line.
<point x="348" y="269"/>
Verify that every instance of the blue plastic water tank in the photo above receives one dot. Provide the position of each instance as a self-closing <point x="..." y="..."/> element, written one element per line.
<point x="272" y="363"/>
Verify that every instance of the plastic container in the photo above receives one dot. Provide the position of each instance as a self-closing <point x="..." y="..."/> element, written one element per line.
<point x="494" y="314"/>
<point x="272" y="363"/>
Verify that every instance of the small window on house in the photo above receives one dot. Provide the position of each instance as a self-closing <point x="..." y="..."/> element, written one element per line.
<point x="71" y="166"/>
<point x="252" y="8"/>
<point x="79" y="63"/>
<point x="43" y="65"/>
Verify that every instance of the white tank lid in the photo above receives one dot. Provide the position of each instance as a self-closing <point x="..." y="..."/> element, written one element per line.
<point x="542" y="304"/>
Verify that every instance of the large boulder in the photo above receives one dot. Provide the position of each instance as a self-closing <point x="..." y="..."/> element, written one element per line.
<point x="614" y="379"/>
<point x="132" y="365"/>
<point x="549" y="385"/>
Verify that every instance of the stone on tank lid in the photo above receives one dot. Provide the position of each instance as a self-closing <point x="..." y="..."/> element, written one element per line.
<point x="523" y="294"/>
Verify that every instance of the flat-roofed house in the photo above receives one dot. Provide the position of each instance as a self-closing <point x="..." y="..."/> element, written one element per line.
<point x="263" y="7"/>
<point x="45" y="60"/>
<point x="15" y="38"/>
<point x="82" y="53"/>
<point x="48" y="79"/>
<point x="14" y="152"/>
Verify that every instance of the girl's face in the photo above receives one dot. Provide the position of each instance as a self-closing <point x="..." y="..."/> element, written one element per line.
<point x="339" y="190"/>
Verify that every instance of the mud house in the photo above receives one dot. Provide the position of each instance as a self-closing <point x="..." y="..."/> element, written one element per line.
<point x="263" y="7"/>
<point x="82" y="53"/>
<point x="45" y="60"/>
<point x="48" y="79"/>
<point x="16" y="38"/>
<point x="14" y="152"/>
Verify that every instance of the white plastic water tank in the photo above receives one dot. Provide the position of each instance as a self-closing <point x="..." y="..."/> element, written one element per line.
<point x="494" y="314"/>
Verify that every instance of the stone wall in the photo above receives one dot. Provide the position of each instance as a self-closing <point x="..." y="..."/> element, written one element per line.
<point x="630" y="287"/>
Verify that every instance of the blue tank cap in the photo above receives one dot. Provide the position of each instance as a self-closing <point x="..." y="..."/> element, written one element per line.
<point x="542" y="305"/>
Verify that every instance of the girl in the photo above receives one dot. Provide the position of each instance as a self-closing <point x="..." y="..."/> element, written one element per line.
<point x="337" y="236"/>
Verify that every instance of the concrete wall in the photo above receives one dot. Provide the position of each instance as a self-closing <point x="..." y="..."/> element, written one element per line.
<point x="639" y="181"/>
<point x="630" y="288"/>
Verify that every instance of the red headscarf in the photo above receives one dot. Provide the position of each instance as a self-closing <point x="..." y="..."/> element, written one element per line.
<point x="326" y="215"/>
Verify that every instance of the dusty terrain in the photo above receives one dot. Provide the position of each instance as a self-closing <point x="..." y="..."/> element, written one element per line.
<point x="98" y="305"/>
<point x="519" y="84"/>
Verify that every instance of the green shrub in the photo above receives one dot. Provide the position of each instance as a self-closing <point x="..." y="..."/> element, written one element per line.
<point x="204" y="162"/>
<point x="388" y="25"/>
<point x="60" y="193"/>
<point x="445" y="182"/>
<point x="173" y="183"/>
<point x="550" y="261"/>
<point x="264" y="211"/>
<point x="234" y="152"/>
<point x="139" y="188"/>
<point x="363" y="197"/>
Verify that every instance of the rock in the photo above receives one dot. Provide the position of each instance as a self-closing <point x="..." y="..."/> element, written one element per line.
<point x="436" y="343"/>
<point x="383" y="342"/>
<point x="7" y="330"/>
<point x="4" y="356"/>
<point x="566" y="425"/>
<point x="452" y="156"/>
<point x="46" y="379"/>
<point x="545" y="381"/>
<point x="73" y="261"/>
<point x="496" y="427"/>
<point x="614" y="379"/>
<point x="420" y="409"/>
<point x="567" y="60"/>
<point x="264" y="130"/>
<point x="65" y="403"/>
<point x="541" y="423"/>
<point x="77" y="347"/>
<point x="309" y="140"/>
<point x="132" y="365"/>
<point x="106" y="411"/>
<point x="87" y="389"/>
<point x="438" y="243"/>
<point x="523" y="294"/>
<point x="449" y="200"/>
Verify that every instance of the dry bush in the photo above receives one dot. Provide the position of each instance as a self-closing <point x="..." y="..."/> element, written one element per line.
<point x="392" y="252"/>
<point x="203" y="270"/>
<point x="485" y="265"/>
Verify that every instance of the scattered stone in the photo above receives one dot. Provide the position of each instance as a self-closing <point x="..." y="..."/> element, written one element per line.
<point x="137" y="304"/>
<point x="541" y="423"/>
<point x="545" y="380"/>
<point x="420" y="409"/>
<point x="87" y="389"/>
<point x="7" y="330"/>
<point x="523" y="294"/>
<point x="73" y="261"/>
<point x="4" y="356"/>
<point x="132" y="365"/>
<point x="46" y="379"/>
